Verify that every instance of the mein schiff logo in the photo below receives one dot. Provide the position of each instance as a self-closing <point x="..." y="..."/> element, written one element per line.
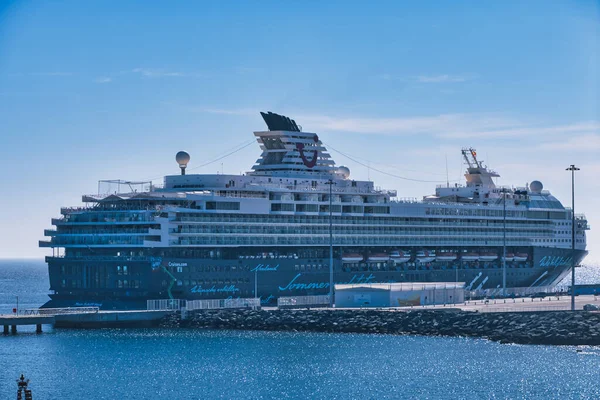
<point x="305" y="160"/>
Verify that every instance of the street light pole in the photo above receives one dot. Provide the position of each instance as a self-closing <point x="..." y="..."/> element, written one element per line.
<point x="330" y="182"/>
<point x="256" y="282"/>
<point x="504" y="244"/>
<point x="572" y="168"/>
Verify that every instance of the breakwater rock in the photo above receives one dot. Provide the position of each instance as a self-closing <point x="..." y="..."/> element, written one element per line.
<point x="555" y="328"/>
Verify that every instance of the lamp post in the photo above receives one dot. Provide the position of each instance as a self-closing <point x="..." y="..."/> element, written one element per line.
<point x="256" y="282"/>
<point x="572" y="168"/>
<point x="330" y="182"/>
<point x="504" y="243"/>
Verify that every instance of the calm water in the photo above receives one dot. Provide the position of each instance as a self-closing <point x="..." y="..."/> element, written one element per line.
<point x="167" y="364"/>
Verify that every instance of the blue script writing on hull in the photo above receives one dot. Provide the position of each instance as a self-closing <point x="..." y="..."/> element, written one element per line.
<point x="555" y="261"/>
<point x="213" y="289"/>
<point x="264" y="268"/>
<point x="292" y="285"/>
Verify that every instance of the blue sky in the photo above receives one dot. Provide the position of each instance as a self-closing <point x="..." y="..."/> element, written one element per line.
<point x="107" y="90"/>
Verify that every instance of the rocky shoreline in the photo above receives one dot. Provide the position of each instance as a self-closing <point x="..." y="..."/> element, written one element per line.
<point x="550" y="327"/>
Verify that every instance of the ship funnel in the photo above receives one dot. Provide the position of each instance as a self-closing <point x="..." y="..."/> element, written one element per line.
<point x="182" y="159"/>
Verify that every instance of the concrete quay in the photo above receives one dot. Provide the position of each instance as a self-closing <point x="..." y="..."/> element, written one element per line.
<point x="13" y="321"/>
<point x="96" y="319"/>
<point x="523" y="304"/>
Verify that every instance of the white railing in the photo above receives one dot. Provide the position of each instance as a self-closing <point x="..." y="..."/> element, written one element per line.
<point x="303" y="301"/>
<point x="165" y="304"/>
<point x="216" y="304"/>
<point x="533" y="308"/>
<point x="61" y="311"/>
<point x="518" y="291"/>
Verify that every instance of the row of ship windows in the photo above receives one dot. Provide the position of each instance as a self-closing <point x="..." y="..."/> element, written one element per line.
<point x="350" y="241"/>
<point x="100" y="284"/>
<point x="351" y="220"/>
<point x="208" y="282"/>
<point x="98" y="271"/>
<point x="292" y="230"/>
<point x="106" y="217"/>
<point x="493" y="224"/>
<point x="557" y="240"/>
<point x="289" y="207"/>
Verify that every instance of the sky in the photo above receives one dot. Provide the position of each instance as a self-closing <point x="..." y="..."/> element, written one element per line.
<point x="112" y="90"/>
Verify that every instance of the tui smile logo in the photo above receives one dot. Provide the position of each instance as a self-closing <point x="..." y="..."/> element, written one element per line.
<point x="305" y="160"/>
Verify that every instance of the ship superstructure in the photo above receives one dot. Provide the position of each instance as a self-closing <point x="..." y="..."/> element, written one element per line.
<point x="202" y="236"/>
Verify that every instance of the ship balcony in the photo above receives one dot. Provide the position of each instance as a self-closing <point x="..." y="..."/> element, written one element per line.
<point x="154" y="232"/>
<point x="50" y="232"/>
<point x="69" y="210"/>
<point x="85" y="241"/>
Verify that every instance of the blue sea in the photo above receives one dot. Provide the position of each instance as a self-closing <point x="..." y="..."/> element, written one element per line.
<point x="179" y="363"/>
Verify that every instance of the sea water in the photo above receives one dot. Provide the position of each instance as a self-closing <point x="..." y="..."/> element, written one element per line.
<point x="197" y="364"/>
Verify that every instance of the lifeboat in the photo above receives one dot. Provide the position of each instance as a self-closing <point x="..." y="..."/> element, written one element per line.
<point x="399" y="256"/>
<point x="510" y="256"/>
<point x="488" y="256"/>
<point x="378" y="257"/>
<point x="446" y="256"/>
<point x="425" y="256"/>
<point x="520" y="257"/>
<point x="470" y="256"/>
<point x="352" y="257"/>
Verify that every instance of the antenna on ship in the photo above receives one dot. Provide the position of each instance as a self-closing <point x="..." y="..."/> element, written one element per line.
<point x="182" y="159"/>
<point x="447" y="178"/>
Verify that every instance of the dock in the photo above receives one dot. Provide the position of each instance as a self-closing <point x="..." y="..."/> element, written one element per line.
<point x="81" y="317"/>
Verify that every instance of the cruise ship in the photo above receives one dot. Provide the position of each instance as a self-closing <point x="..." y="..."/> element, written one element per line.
<point x="211" y="236"/>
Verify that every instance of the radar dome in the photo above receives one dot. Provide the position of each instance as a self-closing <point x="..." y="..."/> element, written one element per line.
<point x="343" y="171"/>
<point x="536" y="187"/>
<point x="182" y="158"/>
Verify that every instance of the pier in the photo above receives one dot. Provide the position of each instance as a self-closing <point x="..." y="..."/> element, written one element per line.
<point x="81" y="317"/>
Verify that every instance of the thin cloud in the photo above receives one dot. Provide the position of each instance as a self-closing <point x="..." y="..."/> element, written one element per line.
<point x="586" y="142"/>
<point x="452" y="126"/>
<point x="103" y="79"/>
<point x="441" y="78"/>
<point x="437" y="125"/>
<point x="447" y="126"/>
<point x="55" y="73"/>
<point x="161" y="73"/>
<point x="524" y="130"/>
<point x="223" y="111"/>
<point x="52" y="74"/>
